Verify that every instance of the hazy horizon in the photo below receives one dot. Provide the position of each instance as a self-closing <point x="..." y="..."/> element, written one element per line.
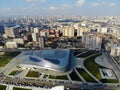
<point x="59" y="7"/>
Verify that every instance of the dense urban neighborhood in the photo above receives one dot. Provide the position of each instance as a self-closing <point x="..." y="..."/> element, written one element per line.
<point x="66" y="53"/>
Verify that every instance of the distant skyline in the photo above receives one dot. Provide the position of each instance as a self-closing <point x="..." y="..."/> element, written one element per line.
<point x="60" y="7"/>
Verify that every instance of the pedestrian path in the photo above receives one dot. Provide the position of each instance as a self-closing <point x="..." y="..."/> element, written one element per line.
<point x="80" y="75"/>
<point x="9" y="87"/>
<point x="80" y="63"/>
<point x="23" y="73"/>
<point x="69" y="77"/>
<point x="92" y="75"/>
<point x="101" y="60"/>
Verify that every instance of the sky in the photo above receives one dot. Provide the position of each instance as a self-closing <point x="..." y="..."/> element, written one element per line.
<point x="60" y="7"/>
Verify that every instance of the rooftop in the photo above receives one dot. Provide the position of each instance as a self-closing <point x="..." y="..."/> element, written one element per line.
<point x="55" y="59"/>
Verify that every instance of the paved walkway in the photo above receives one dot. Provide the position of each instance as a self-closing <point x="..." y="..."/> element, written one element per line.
<point x="92" y="76"/>
<point x="9" y="87"/>
<point x="81" y="53"/>
<point x="80" y="63"/>
<point x="80" y="75"/>
<point x="69" y="77"/>
<point x="23" y="73"/>
<point x="102" y="60"/>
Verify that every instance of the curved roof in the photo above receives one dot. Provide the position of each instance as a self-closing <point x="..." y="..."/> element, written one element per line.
<point x="48" y="59"/>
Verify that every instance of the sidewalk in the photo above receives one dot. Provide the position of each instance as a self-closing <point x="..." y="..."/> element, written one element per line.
<point x="80" y="63"/>
<point x="102" y="60"/>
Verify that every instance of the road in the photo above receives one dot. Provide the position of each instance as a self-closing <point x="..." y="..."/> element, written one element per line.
<point x="44" y="82"/>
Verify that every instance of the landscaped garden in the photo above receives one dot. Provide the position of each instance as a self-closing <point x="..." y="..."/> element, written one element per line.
<point x="2" y="87"/>
<point x="15" y="72"/>
<point x="85" y="75"/>
<point x="32" y="74"/>
<point x="74" y="76"/>
<point x="15" y="88"/>
<point x="109" y="80"/>
<point x="63" y="77"/>
<point x="93" y="67"/>
<point x="7" y="57"/>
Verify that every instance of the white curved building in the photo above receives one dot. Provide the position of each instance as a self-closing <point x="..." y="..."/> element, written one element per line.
<point x="57" y="60"/>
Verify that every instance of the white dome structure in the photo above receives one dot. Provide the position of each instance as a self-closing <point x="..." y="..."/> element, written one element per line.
<point x="57" y="60"/>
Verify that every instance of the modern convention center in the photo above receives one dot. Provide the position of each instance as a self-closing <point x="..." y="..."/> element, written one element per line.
<point x="56" y="60"/>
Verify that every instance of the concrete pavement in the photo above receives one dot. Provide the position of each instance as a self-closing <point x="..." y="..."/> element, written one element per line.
<point x="102" y="60"/>
<point x="79" y="75"/>
<point x="80" y="63"/>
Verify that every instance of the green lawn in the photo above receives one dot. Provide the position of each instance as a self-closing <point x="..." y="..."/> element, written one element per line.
<point x="7" y="57"/>
<point x="2" y="87"/>
<point x="93" y="67"/>
<point x="63" y="77"/>
<point x="15" y="72"/>
<point x="109" y="80"/>
<point x="118" y="63"/>
<point x="85" y="75"/>
<point x="32" y="74"/>
<point x="74" y="76"/>
<point x="15" y="88"/>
